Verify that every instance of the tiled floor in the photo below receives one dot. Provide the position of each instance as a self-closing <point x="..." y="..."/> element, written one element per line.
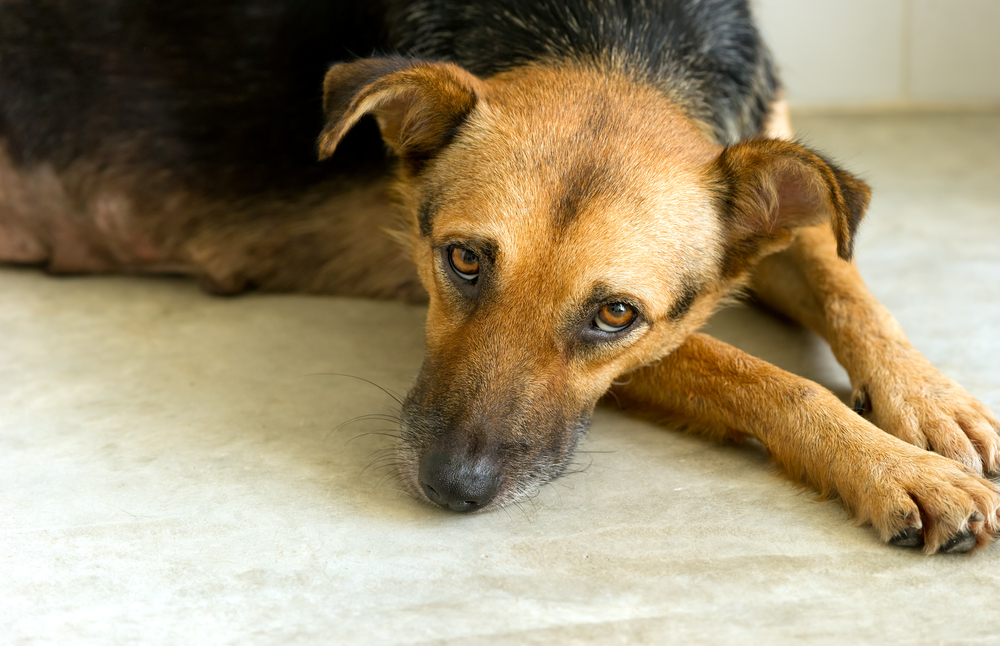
<point x="172" y="471"/>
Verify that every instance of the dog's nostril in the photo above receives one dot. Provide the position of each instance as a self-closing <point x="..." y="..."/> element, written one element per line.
<point x="431" y="493"/>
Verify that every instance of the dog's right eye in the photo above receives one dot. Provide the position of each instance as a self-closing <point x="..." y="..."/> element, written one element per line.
<point x="614" y="317"/>
<point x="464" y="262"/>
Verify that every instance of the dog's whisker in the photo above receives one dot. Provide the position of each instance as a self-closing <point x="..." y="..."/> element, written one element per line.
<point x="369" y="434"/>
<point x="519" y="504"/>
<point x="387" y="432"/>
<point x="388" y="477"/>
<point x="363" y="418"/>
<point x="367" y="417"/>
<point x="383" y="454"/>
<point x="386" y="461"/>
<point x="576" y="467"/>
<point x="383" y="461"/>
<point x="395" y="396"/>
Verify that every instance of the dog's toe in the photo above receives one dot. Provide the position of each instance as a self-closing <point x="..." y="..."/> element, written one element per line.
<point x="919" y="405"/>
<point x="934" y="503"/>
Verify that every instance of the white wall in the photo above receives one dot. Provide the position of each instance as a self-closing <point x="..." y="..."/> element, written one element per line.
<point x="897" y="53"/>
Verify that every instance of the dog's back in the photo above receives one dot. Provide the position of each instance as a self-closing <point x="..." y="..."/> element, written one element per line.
<point x="180" y="137"/>
<point x="225" y="95"/>
<point x="706" y="55"/>
<point x="149" y="136"/>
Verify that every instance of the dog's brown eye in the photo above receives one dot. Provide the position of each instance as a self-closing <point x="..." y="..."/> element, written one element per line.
<point x="614" y="317"/>
<point x="464" y="262"/>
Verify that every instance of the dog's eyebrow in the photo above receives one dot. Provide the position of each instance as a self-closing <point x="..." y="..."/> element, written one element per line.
<point x="602" y="293"/>
<point x="688" y="295"/>
<point x="582" y="183"/>
<point x="425" y="214"/>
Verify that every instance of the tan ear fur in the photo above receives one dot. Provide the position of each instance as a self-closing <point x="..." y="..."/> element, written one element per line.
<point x="766" y="186"/>
<point x="419" y="105"/>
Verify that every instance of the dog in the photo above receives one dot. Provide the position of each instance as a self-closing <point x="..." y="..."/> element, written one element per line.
<point x="577" y="186"/>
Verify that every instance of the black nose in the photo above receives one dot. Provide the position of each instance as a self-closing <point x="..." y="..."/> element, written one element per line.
<point x="461" y="484"/>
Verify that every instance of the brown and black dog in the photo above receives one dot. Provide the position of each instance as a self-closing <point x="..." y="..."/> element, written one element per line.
<point x="579" y="185"/>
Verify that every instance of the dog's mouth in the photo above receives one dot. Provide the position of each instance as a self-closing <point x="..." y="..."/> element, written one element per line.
<point x="470" y="471"/>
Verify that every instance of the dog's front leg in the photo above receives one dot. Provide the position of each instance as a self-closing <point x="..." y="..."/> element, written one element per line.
<point x="894" y="385"/>
<point x="910" y="496"/>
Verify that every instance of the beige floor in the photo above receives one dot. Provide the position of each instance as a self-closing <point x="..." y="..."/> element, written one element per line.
<point x="171" y="469"/>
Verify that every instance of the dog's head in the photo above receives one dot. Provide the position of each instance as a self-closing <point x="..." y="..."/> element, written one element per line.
<point x="569" y="225"/>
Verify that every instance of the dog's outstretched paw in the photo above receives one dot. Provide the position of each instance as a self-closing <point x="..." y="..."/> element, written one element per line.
<point x="909" y="398"/>
<point x="930" y="502"/>
<point x="964" y="541"/>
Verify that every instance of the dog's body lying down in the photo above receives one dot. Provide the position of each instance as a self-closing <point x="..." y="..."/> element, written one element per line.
<point x="581" y="183"/>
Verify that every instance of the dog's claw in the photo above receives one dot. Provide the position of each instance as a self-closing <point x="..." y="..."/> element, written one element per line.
<point x="963" y="541"/>
<point x="960" y="542"/>
<point x="909" y="537"/>
<point x="862" y="405"/>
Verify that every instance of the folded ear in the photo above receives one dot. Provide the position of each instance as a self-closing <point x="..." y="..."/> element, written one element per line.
<point x="767" y="187"/>
<point x="418" y="105"/>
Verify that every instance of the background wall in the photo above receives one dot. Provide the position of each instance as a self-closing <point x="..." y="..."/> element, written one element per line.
<point x="885" y="53"/>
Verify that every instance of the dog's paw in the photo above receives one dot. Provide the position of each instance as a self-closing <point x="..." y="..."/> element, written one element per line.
<point x="909" y="398"/>
<point x="919" y="499"/>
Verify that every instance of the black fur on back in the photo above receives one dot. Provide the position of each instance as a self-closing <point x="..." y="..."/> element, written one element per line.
<point x="225" y="95"/>
<point x="705" y="54"/>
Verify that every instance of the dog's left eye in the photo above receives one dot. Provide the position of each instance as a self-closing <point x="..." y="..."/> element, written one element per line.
<point x="464" y="262"/>
<point x="614" y="317"/>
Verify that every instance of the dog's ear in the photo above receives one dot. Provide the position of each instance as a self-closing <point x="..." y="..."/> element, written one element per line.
<point x="767" y="186"/>
<point x="419" y="105"/>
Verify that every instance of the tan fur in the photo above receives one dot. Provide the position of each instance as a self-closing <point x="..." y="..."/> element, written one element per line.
<point x="917" y="403"/>
<point x="721" y="391"/>
<point x="533" y="138"/>
<point x="648" y="225"/>
<point x="543" y="272"/>
<point x="890" y="484"/>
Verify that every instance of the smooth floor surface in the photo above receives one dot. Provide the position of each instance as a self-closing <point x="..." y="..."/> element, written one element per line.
<point x="176" y="469"/>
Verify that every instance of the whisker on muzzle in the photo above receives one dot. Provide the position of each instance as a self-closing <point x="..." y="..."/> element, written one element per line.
<point x="395" y="396"/>
<point x="387" y="458"/>
<point x="388" y="432"/>
<point x="392" y="419"/>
